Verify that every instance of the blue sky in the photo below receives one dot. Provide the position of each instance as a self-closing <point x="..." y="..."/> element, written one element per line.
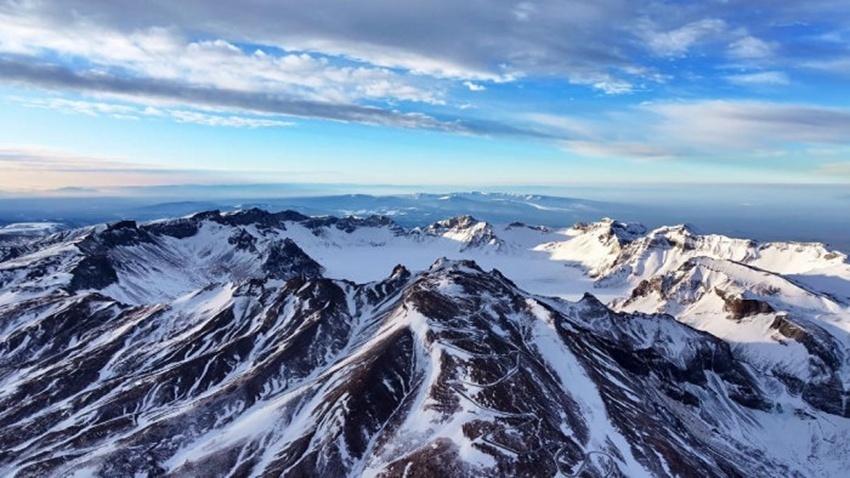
<point x="104" y="95"/>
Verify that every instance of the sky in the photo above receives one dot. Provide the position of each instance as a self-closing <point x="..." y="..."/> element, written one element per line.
<point x="96" y="96"/>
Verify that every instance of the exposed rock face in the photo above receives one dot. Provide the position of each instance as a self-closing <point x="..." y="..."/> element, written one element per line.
<point x="93" y="272"/>
<point x="350" y="224"/>
<point x="286" y="260"/>
<point x="738" y="307"/>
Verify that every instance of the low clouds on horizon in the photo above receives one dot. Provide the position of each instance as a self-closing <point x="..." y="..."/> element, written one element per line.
<point x="32" y="170"/>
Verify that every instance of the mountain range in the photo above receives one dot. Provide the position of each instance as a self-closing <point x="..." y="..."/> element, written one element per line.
<point x="251" y="343"/>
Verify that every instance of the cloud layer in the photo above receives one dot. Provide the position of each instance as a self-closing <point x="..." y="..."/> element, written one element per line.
<point x="672" y="79"/>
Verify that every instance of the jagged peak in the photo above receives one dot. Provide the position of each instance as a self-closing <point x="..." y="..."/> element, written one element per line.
<point x="119" y="233"/>
<point x="349" y="223"/>
<point x="251" y="213"/>
<point x="623" y="232"/>
<point x="459" y="222"/>
<point x="470" y="276"/>
<point x="683" y="229"/>
<point x="266" y="219"/>
<point x="465" y="229"/>
<point x="259" y="217"/>
<point x="444" y="264"/>
<point x="399" y="272"/>
<point x="591" y="300"/>
<point x="206" y="215"/>
<point x="118" y="225"/>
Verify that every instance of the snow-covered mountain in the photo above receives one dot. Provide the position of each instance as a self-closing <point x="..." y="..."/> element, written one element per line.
<point x="275" y="344"/>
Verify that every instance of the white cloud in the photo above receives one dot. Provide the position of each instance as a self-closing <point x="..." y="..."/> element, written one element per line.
<point x="614" y="87"/>
<point x="604" y="82"/>
<point x="182" y="116"/>
<point x="523" y="11"/>
<point x="760" y="78"/>
<point x="89" y="108"/>
<point x="640" y="151"/>
<point x="473" y="86"/>
<point x="126" y="111"/>
<point x="676" y="42"/>
<point x="836" y="66"/>
<point x="565" y="126"/>
<point x="750" y="47"/>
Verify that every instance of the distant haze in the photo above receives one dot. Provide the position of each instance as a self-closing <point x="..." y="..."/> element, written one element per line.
<point x="766" y="213"/>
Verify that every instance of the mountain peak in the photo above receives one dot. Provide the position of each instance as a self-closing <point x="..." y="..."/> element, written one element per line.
<point x="457" y="222"/>
<point x="621" y="232"/>
<point x="444" y="264"/>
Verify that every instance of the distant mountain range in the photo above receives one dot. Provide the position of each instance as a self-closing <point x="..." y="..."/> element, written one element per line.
<point x="251" y="343"/>
<point x="408" y="209"/>
<point x="804" y="215"/>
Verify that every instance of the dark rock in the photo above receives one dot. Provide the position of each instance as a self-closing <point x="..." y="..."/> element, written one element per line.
<point x="740" y="308"/>
<point x="93" y="272"/>
<point x="177" y="228"/>
<point x="286" y="260"/>
<point x="243" y="240"/>
<point x="213" y="215"/>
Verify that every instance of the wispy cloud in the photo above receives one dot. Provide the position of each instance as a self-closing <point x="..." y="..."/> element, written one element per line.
<point x="183" y="116"/>
<point x="836" y="66"/>
<point x="745" y="124"/>
<point x="474" y="86"/>
<point x="750" y="47"/>
<point x="678" y="41"/>
<point x="702" y="129"/>
<point x="835" y="169"/>
<point x="760" y="78"/>
<point x="127" y="111"/>
<point x="633" y="150"/>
